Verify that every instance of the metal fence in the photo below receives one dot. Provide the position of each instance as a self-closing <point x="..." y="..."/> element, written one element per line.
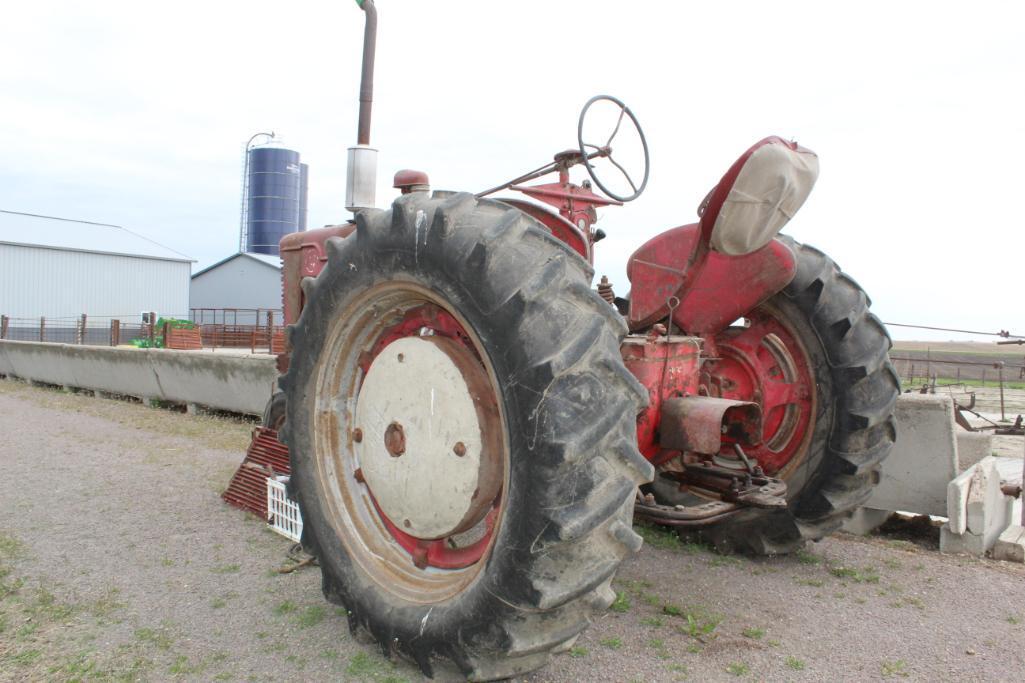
<point x="219" y="329"/>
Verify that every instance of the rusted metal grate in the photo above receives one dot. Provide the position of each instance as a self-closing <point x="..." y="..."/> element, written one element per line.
<point x="266" y="457"/>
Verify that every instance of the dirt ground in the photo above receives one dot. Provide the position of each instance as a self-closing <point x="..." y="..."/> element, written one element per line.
<point x="119" y="561"/>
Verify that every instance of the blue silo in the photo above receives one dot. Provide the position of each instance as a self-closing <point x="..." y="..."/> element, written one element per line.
<point x="276" y="197"/>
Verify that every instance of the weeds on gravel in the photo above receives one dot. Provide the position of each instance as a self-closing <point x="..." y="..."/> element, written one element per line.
<point x="578" y="651"/>
<point x="658" y="537"/>
<point x="227" y="569"/>
<point x="897" y="668"/>
<point x="286" y="607"/>
<point x="1013" y="619"/>
<point x="159" y="638"/>
<point x="654" y="622"/>
<point x="311" y="616"/>
<point x="738" y="669"/>
<point x="699" y="624"/>
<point x="612" y="643"/>
<point x="621" y="604"/>
<point x="804" y="557"/>
<point x="814" y="583"/>
<point x="753" y="633"/>
<point x="795" y="663"/>
<point x="365" y="667"/>
<point x="866" y="575"/>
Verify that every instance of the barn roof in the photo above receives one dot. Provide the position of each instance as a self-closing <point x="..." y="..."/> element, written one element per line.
<point x="51" y="232"/>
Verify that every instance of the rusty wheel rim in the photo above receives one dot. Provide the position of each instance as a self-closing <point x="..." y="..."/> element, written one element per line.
<point x="420" y="570"/>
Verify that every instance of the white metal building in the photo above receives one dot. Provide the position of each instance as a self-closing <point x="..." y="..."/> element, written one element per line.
<point x="57" y="267"/>
<point x="246" y="282"/>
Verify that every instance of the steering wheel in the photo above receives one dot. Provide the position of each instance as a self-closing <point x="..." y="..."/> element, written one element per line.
<point x="606" y="149"/>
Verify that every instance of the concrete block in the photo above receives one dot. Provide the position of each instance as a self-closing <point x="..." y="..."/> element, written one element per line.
<point x="957" y="502"/>
<point x="972" y="447"/>
<point x="924" y="459"/>
<point x="1010" y="546"/>
<point x="865" y="520"/>
<point x="966" y="543"/>
<point x="977" y="509"/>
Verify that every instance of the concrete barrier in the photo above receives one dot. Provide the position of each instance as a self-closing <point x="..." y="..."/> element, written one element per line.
<point x="241" y="384"/>
<point x="923" y="460"/>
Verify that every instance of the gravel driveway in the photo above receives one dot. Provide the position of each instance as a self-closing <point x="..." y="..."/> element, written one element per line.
<point x="119" y="561"/>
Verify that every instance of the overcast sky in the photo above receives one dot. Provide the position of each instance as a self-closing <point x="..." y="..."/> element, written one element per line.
<point x="136" y="114"/>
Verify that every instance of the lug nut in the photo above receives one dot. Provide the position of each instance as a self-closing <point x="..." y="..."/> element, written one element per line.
<point x="459" y="449"/>
<point x="357" y="435"/>
<point x="406" y="523"/>
<point x="358" y="474"/>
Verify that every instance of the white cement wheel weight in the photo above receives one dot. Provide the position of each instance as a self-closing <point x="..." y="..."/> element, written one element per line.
<point x="426" y="452"/>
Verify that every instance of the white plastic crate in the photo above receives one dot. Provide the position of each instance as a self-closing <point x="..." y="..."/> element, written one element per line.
<point x="283" y="514"/>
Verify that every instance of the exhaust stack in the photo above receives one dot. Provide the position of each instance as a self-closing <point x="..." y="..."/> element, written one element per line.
<point x="361" y="184"/>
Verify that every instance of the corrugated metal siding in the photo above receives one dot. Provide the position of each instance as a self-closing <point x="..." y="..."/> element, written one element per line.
<point x="239" y="283"/>
<point x="37" y="281"/>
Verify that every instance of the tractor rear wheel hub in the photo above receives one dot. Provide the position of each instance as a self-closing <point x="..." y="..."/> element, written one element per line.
<point x="425" y="455"/>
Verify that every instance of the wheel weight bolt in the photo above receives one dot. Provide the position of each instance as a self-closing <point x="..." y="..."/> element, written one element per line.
<point x="459" y="449"/>
<point x="357" y="435"/>
<point x="358" y="474"/>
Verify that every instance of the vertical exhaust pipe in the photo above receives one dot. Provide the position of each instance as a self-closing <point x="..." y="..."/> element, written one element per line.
<point x="361" y="184"/>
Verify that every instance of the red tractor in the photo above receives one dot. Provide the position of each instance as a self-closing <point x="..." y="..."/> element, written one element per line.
<point x="473" y="428"/>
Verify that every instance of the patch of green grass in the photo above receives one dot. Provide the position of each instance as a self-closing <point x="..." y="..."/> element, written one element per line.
<point x="892" y="563"/>
<point x="612" y="643"/>
<point x="656" y="643"/>
<point x="672" y="610"/>
<point x="621" y="604"/>
<point x="814" y="583"/>
<point x="227" y="569"/>
<point x="635" y="586"/>
<point x="578" y="651"/>
<point x="287" y="607"/>
<point x="167" y="562"/>
<point x="753" y="633"/>
<point x="218" y="603"/>
<point x="658" y="537"/>
<point x="1013" y="619"/>
<point x="654" y="622"/>
<point x="804" y="557"/>
<point x="181" y="666"/>
<point x="738" y="669"/>
<point x="311" y="616"/>
<point x="866" y="575"/>
<point x="106" y="604"/>
<point x="363" y="667"/>
<point x="158" y="638"/>
<point x="651" y="599"/>
<point x="26" y="657"/>
<point x="10" y="547"/>
<point x="795" y="663"/>
<point x="903" y="545"/>
<point x="26" y="631"/>
<point x="897" y="668"/>
<point x="773" y="643"/>
<point x="699" y="624"/>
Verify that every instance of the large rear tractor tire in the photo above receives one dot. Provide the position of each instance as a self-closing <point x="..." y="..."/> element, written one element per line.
<point x="461" y="428"/>
<point x="828" y="442"/>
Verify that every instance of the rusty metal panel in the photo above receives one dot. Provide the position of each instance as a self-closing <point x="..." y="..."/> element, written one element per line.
<point x="266" y="457"/>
